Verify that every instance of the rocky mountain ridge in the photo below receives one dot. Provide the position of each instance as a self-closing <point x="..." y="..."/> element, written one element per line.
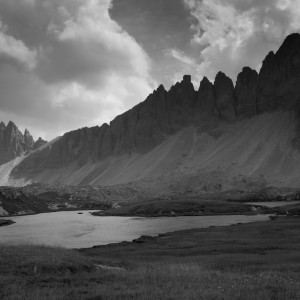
<point x="163" y="113"/>
<point x="13" y="143"/>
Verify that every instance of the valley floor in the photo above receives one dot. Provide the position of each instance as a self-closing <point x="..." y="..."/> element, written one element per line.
<point x="249" y="261"/>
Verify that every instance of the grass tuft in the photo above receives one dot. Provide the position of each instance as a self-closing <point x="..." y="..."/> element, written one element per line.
<point x="252" y="261"/>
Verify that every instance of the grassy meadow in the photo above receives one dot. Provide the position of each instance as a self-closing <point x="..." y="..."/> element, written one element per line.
<point x="249" y="261"/>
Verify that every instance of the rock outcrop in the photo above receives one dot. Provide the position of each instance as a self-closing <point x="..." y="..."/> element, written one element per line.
<point x="39" y="143"/>
<point x="166" y="112"/>
<point x="28" y="140"/>
<point x="225" y="97"/>
<point x="246" y="92"/>
<point x="205" y="105"/>
<point x="278" y="81"/>
<point x="13" y="143"/>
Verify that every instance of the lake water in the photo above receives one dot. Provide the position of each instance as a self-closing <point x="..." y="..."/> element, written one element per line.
<point x="274" y="203"/>
<point x="73" y="230"/>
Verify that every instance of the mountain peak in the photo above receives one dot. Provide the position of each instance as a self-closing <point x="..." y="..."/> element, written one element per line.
<point x="225" y="97"/>
<point x="39" y="143"/>
<point x="248" y="70"/>
<point x="187" y="78"/>
<point x="11" y="124"/>
<point x="28" y="140"/>
<point x="26" y="132"/>
<point x="213" y="108"/>
<point x="205" y="80"/>
<point x="13" y="143"/>
<point x="221" y="76"/>
<point x="161" y="88"/>
<point x="290" y="40"/>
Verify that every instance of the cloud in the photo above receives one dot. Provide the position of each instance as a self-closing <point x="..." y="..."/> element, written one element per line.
<point x="180" y="55"/>
<point x="66" y="64"/>
<point x="231" y="34"/>
<point x="183" y="64"/>
<point x="89" y="46"/>
<point x="82" y="68"/>
<point x="11" y="48"/>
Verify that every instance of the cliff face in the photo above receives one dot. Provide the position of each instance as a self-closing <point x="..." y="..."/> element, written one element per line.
<point x="13" y="143"/>
<point x="166" y="112"/>
<point x="225" y="97"/>
<point x="278" y="80"/>
<point x="246" y="92"/>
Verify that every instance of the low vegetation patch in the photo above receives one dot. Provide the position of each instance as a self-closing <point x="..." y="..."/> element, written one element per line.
<point x="192" y="206"/>
<point x="250" y="261"/>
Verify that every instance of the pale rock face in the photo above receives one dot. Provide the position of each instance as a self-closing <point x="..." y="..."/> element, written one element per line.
<point x="14" y="144"/>
<point x="28" y="140"/>
<point x="11" y="142"/>
<point x="39" y="143"/>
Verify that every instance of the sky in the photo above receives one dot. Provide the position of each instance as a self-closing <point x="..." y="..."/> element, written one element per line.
<point x="67" y="64"/>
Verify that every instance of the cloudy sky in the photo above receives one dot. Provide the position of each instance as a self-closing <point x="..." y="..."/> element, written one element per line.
<point x="65" y="64"/>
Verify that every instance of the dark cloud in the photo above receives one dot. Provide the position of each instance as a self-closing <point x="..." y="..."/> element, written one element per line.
<point x="157" y="25"/>
<point x="66" y="64"/>
<point x="29" y="20"/>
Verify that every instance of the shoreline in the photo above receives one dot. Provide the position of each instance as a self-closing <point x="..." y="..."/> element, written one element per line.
<point x="223" y="261"/>
<point x="146" y="238"/>
<point x="251" y="261"/>
<point x="166" y="215"/>
<point x="154" y="238"/>
<point x="180" y="238"/>
<point x="45" y="212"/>
<point x="110" y="213"/>
<point x="197" y="222"/>
<point x="179" y="207"/>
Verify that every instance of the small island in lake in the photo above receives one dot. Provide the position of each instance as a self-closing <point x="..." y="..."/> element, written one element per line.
<point x="6" y="222"/>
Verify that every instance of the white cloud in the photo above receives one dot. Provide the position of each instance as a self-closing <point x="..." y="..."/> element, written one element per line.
<point x="85" y="71"/>
<point x="15" y="49"/>
<point x="237" y="33"/>
<point x="181" y="56"/>
<point x="293" y="8"/>
<point x="90" y="45"/>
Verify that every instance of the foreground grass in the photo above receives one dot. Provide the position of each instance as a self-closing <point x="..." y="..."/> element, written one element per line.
<point x="215" y="263"/>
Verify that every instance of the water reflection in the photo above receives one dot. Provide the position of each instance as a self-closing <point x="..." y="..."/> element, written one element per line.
<point x="73" y="230"/>
<point x="274" y="203"/>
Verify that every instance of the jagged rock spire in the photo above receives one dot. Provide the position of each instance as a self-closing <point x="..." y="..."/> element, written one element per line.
<point x="165" y="112"/>
<point x="13" y="143"/>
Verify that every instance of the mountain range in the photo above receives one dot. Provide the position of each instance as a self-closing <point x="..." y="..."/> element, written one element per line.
<point x="13" y="143"/>
<point x="219" y="137"/>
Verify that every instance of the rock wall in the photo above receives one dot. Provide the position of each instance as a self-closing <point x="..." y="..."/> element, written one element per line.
<point x="165" y="112"/>
<point x="13" y="143"/>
